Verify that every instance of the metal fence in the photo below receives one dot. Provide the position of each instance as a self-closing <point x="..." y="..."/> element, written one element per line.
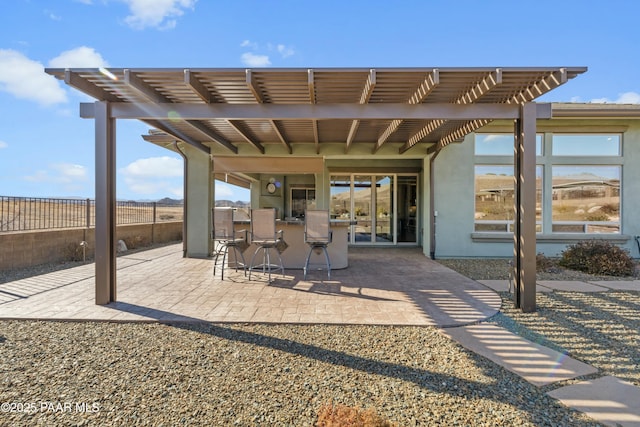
<point x="31" y="213"/>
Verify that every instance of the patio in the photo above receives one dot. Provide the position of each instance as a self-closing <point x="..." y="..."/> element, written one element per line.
<point x="389" y="286"/>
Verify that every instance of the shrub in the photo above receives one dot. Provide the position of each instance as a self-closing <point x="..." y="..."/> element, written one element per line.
<point x="345" y="416"/>
<point x="610" y="209"/>
<point x="598" y="257"/>
<point x="597" y="217"/>
<point x="543" y="263"/>
<point x="134" y="242"/>
<point x="73" y="252"/>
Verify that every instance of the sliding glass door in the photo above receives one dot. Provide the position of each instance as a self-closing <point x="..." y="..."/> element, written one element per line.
<point x="383" y="208"/>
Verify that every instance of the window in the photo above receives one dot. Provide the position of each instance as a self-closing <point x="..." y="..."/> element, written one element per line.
<point x="494" y="198"/>
<point x="581" y="193"/>
<point x="500" y="144"/>
<point x="301" y="200"/>
<point x="586" y="199"/>
<point x="586" y="145"/>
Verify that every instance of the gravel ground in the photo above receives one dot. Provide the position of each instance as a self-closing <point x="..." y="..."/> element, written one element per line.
<point x="113" y="374"/>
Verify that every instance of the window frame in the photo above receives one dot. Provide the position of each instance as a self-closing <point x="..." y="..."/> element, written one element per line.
<point x="546" y="160"/>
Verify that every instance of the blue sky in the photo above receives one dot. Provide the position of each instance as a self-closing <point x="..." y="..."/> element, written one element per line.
<point x="46" y="150"/>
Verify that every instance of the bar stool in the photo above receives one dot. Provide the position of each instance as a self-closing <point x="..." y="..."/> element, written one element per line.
<point x="225" y="237"/>
<point x="317" y="235"/>
<point x="265" y="237"/>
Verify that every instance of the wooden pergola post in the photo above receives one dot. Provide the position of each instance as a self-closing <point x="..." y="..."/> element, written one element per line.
<point x="525" y="209"/>
<point x="105" y="227"/>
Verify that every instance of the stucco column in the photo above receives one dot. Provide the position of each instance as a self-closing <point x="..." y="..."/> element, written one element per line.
<point x="525" y="209"/>
<point x="105" y="208"/>
<point x="199" y="193"/>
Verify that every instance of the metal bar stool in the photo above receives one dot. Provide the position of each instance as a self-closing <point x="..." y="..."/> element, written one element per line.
<point x="317" y="234"/>
<point x="265" y="236"/>
<point x="225" y="237"/>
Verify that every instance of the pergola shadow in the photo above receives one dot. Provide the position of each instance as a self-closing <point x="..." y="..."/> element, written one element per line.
<point x="380" y="287"/>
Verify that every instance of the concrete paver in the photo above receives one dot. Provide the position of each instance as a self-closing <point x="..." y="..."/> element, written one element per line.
<point x="619" y="285"/>
<point x="537" y="364"/>
<point x="573" y="286"/>
<point x="608" y="399"/>
<point x="503" y="286"/>
<point x="381" y="286"/>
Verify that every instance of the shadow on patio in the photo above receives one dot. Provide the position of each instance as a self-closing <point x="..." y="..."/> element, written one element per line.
<point x="382" y="286"/>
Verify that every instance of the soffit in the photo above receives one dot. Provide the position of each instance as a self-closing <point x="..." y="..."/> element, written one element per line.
<point x="353" y="86"/>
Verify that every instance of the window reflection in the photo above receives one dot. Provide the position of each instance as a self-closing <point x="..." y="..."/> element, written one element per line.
<point x="586" y="199"/>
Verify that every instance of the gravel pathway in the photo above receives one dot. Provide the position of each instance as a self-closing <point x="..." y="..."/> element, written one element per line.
<point x="113" y="374"/>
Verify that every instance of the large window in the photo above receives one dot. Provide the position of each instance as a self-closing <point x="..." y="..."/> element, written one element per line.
<point x="494" y="193"/>
<point x="586" y="145"/>
<point x="500" y="144"/>
<point x="586" y="199"/>
<point x="577" y="183"/>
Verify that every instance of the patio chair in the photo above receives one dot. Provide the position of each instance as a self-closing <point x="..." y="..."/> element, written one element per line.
<point x="317" y="235"/>
<point x="265" y="236"/>
<point x="225" y="238"/>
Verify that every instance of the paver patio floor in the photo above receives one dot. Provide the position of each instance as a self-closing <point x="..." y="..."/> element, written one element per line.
<point x="390" y="286"/>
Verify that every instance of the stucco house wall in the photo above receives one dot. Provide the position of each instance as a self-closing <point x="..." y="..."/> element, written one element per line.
<point x="454" y="194"/>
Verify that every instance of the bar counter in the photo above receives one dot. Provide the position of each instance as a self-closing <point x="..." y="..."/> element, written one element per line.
<point x="295" y="255"/>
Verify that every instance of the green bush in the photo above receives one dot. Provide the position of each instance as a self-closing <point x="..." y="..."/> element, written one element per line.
<point x="598" y="257"/>
<point x="544" y="263"/>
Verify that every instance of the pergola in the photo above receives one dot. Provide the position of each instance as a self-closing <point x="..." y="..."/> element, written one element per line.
<point x="303" y="113"/>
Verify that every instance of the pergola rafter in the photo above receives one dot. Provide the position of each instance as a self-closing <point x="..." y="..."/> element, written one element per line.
<point x="489" y="82"/>
<point x="257" y="93"/>
<point x="148" y="92"/>
<point x="528" y="94"/>
<point x="177" y="134"/>
<point x="74" y="80"/>
<point x="245" y="135"/>
<point x="196" y="86"/>
<point x="311" y="82"/>
<point x="426" y="87"/>
<point x="369" y="85"/>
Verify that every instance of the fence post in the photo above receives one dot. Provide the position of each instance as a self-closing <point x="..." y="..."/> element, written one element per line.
<point x="88" y="213"/>
<point x="154" y="212"/>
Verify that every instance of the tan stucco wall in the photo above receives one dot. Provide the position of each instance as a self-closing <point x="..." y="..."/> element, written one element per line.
<point x="23" y="249"/>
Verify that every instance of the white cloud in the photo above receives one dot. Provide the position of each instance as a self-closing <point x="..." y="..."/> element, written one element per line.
<point x="285" y="51"/>
<point x="629" y="98"/>
<point x="60" y="173"/>
<point x="252" y="60"/>
<point x="496" y="137"/>
<point x="25" y="78"/>
<point x="3" y="144"/>
<point x="79" y="57"/>
<point x="623" y="98"/>
<point x="53" y="16"/>
<point x="223" y="191"/>
<point x="154" y="175"/>
<point x="154" y="167"/>
<point x="68" y="172"/>
<point x="248" y="43"/>
<point x="156" y="13"/>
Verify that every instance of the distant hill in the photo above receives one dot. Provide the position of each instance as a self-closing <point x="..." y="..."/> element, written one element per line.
<point x="219" y="203"/>
<point x="170" y="201"/>
<point x="230" y="204"/>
